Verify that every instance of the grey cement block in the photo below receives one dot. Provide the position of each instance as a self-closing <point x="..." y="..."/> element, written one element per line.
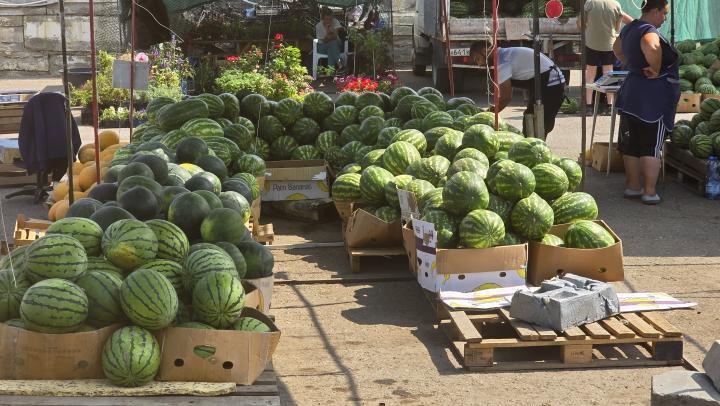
<point x="711" y="364"/>
<point x="683" y="388"/>
<point x="566" y="302"/>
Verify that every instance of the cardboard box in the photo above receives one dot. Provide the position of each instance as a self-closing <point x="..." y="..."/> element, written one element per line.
<point x="265" y="290"/>
<point x="603" y="264"/>
<point x="9" y="151"/>
<point x="28" y="355"/>
<point x="253" y="296"/>
<point x="689" y="103"/>
<point x="240" y="356"/>
<point x="466" y="269"/>
<point x="296" y="180"/>
<point x="364" y="230"/>
<point x="410" y="247"/>
<point x="600" y="158"/>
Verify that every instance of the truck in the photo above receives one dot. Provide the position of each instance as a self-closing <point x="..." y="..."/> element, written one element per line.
<point x="560" y="40"/>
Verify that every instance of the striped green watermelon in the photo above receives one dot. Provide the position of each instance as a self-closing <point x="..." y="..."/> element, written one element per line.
<point x="155" y="105"/>
<point x="351" y="150"/>
<point x="86" y="231"/>
<point x="351" y="168"/>
<point x="305" y="153"/>
<point x="431" y="200"/>
<point x="216" y="107"/>
<point x="575" y="206"/>
<point x="449" y="144"/>
<point x="12" y="289"/>
<point x="405" y="105"/>
<point x="424" y="91"/>
<point x="413" y="169"/>
<point x="361" y="152"/>
<point x="716" y="144"/>
<point x="532" y="217"/>
<point x="399" y="93"/>
<point x="365" y="99"/>
<point x="437" y="119"/>
<point x="446" y="227"/>
<point x="372" y="184"/>
<point x="233" y="148"/>
<point x="552" y="239"/>
<point x="55" y="256"/>
<point x="422" y="108"/>
<point x="218" y="299"/>
<point x="481" y="137"/>
<point x="511" y="239"/>
<point x="231" y="106"/>
<point x="703" y="128"/>
<point x="394" y="122"/>
<point x="373" y="157"/>
<point x="172" y="138"/>
<point x="317" y="105"/>
<point x="252" y="164"/>
<point x="283" y="147"/>
<point x="573" y="171"/>
<point x="714" y="121"/>
<point x="469" y="165"/>
<point x="419" y="188"/>
<point x="270" y="128"/>
<point x="342" y="117"/>
<point x="205" y="261"/>
<point x="222" y="224"/>
<point x="129" y="243"/>
<point x="455" y="114"/>
<point x="587" y="234"/>
<point x="464" y="192"/>
<point x="288" y="111"/>
<point x="513" y="182"/>
<point x="239" y="134"/>
<point x="507" y="139"/>
<point x="481" y="229"/>
<point x="370" y="129"/>
<point x="335" y="157"/>
<point x="437" y="100"/>
<point x="17" y="323"/>
<point x="387" y="214"/>
<point x="391" y="187"/>
<point x="195" y="324"/>
<point x="398" y="156"/>
<point x="172" y="270"/>
<point x="346" y="99"/>
<point x="530" y="152"/>
<point x="251" y="324"/>
<point x="102" y="289"/>
<point x="325" y="140"/>
<point x="551" y="181"/>
<point x="414" y="137"/>
<point x="350" y="133"/>
<point x="173" y="115"/>
<point x="434" y="169"/>
<point x="16" y="260"/>
<point x="501" y="207"/>
<point x="173" y="244"/>
<point x="54" y="306"/>
<point x="131" y="357"/>
<point x="474" y="154"/>
<point x="149" y="299"/>
<point x="305" y="131"/>
<point x="370" y="111"/>
<point x="433" y="135"/>
<point x="251" y="181"/>
<point x="102" y="264"/>
<point x="202" y="128"/>
<point x="260" y="147"/>
<point x="701" y="146"/>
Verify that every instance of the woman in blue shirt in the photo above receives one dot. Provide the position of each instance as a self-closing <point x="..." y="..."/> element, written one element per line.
<point x="647" y="99"/>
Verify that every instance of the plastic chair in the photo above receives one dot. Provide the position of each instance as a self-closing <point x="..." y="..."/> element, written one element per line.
<point x="318" y="56"/>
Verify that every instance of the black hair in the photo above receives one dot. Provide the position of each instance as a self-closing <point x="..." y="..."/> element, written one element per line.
<point x="651" y="5"/>
<point x="325" y="11"/>
<point x="480" y="46"/>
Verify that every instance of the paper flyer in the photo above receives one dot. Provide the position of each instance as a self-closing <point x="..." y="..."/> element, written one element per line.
<point x="649" y="301"/>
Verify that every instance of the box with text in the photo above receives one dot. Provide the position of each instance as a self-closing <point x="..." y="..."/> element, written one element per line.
<point x="296" y="180"/>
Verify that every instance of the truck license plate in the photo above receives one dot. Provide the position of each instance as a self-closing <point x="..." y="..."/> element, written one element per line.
<point x="460" y="52"/>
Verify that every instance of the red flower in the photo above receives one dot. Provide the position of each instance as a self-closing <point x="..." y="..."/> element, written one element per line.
<point x="278" y="37"/>
<point x="277" y="46"/>
<point x="232" y="58"/>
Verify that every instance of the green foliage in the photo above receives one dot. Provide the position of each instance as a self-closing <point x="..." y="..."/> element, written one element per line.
<point x="372" y="50"/>
<point x="106" y="93"/>
<point x="155" y="90"/>
<point x="236" y="81"/>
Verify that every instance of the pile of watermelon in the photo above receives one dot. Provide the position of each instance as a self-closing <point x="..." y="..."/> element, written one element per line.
<point x="143" y="275"/>
<point x="480" y="187"/>
<point x="701" y="134"/>
<point x="694" y="63"/>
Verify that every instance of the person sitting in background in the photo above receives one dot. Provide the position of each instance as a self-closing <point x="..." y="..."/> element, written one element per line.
<point x="647" y="99"/>
<point x="328" y="32"/>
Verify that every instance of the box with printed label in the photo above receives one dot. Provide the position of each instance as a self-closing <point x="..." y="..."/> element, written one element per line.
<point x="296" y="180"/>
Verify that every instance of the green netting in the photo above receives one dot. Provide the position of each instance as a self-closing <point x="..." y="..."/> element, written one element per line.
<point x="694" y="19"/>
<point x="174" y="6"/>
<point x="342" y="3"/>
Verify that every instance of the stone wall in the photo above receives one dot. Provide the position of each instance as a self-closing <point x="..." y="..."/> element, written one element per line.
<point x="403" y="20"/>
<point x="30" y="36"/>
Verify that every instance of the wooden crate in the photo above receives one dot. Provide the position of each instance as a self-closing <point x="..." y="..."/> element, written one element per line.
<point x="28" y="230"/>
<point x="11" y="175"/>
<point x="690" y="171"/>
<point x="263" y="392"/>
<point x="264" y="234"/>
<point x="495" y="341"/>
<point x="355" y="255"/>
<point x="11" y="114"/>
<point x="689" y="103"/>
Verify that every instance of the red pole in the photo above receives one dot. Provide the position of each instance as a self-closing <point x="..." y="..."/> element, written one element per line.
<point x="496" y="98"/>
<point x="93" y="73"/>
<point x="132" y="67"/>
<point x="446" y="26"/>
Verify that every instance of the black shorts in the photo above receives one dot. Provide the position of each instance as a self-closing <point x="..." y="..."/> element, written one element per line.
<point x="598" y="58"/>
<point x="552" y="99"/>
<point x="639" y="139"/>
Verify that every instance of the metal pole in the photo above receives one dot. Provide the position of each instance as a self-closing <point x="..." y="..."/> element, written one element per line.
<point x="672" y="22"/>
<point x="583" y="107"/>
<point x="93" y="73"/>
<point x="448" y="55"/>
<point x="496" y="91"/>
<point x="538" y="115"/>
<point x="68" y="118"/>
<point x="132" y="67"/>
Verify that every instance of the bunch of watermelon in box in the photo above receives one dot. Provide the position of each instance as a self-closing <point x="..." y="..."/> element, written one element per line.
<point x="695" y="61"/>
<point x="701" y="134"/>
<point x="480" y="187"/>
<point x="144" y="276"/>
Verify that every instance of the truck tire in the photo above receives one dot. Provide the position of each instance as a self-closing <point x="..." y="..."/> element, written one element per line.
<point x="418" y="67"/>
<point x="441" y="81"/>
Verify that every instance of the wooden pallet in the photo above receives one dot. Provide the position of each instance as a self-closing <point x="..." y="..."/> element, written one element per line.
<point x="264" y="234"/>
<point x="690" y="171"/>
<point x="354" y="255"/>
<point x="11" y="175"/>
<point x="28" y="230"/>
<point x="263" y="392"/>
<point x="495" y="341"/>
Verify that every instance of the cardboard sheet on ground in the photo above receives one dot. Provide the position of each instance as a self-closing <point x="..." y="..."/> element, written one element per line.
<point x="103" y="387"/>
<point x="490" y="299"/>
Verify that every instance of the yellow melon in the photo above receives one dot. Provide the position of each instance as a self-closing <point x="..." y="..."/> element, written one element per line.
<point x="61" y="209"/>
<point x="107" y="138"/>
<point x="86" y="153"/>
<point x="77" y="167"/>
<point x="51" y="212"/>
<point x="87" y="177"/>
<point x="103" y="171"/>
<point x="60" y="191"/>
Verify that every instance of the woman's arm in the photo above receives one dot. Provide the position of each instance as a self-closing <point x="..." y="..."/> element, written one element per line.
<point x="617" y="49"/>
<point x="505" y="94"/>
<point x="650" y="47"/>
